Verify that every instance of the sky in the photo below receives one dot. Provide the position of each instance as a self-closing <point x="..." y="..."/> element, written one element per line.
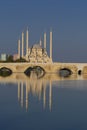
<point x="66" y="18"/>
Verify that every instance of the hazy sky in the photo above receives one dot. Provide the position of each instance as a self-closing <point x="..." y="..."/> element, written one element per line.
<point x="67" y="18"/>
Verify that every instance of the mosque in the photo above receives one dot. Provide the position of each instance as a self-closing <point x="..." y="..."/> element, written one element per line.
<point x="37" y="53"/>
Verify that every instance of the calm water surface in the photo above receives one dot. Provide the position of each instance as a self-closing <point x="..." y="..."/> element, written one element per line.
<point x="49" y="103"/>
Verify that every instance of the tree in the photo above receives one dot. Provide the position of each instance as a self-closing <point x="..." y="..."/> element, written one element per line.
<point x="10" y="58"/>
<point x="20" y="60"/>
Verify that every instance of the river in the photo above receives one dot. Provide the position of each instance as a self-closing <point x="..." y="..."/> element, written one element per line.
<point x="48" y="103"/>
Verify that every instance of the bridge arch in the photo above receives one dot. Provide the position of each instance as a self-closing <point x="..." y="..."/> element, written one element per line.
<point x="4" y="71"/>
<point x="35" y="70"/>
<point x="65" y="72"/>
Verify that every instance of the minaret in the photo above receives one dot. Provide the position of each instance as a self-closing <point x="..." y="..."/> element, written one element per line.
<point x="19" y="49"/>
<point x="22" y="44"/>
<point x="27" y="42"/>
<point x="45" y="41"/>
<point x="40" y="42"/>
<point x="51" y="45"/>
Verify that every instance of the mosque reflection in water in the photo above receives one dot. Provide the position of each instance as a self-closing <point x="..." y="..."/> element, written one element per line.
<point x="33" y="85"/>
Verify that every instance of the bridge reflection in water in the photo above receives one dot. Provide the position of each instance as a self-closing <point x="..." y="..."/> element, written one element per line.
<point x="38" y="87"/>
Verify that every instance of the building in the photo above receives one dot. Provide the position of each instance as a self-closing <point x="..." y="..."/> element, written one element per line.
<point x="15" y="57"/>
<point x="37" y="53"/>
<point x="4" y="57"/>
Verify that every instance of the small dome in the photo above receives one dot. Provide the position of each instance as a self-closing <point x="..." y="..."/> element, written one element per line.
<point x="37" y="46"/>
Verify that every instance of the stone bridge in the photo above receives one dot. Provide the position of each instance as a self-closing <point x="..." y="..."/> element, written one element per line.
<point x="48" y="67"/>
<point x="75" y="67"/>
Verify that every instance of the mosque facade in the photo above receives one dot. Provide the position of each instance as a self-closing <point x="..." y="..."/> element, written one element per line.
<point x="37" y="53"/>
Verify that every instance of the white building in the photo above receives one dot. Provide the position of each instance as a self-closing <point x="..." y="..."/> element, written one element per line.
<point x="4" y="57"/>
<point x="35" y="54"/>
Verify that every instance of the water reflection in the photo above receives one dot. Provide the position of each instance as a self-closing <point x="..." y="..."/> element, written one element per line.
<point x="36" y="87"/>
<point x="21" y="77"/>
<point x="33" y="85"/>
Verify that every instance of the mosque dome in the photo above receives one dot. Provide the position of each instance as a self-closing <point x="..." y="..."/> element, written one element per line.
<point x="37" y="46"/>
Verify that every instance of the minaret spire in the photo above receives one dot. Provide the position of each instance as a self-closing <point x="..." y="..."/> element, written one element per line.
<point x="22" y="44"/>
<point x="27" y="38"/>
<point x="40" y="42"/>
<point x="19" y="49"/>
<point x="51" y="44"/>
<point x="45" y="41"/>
